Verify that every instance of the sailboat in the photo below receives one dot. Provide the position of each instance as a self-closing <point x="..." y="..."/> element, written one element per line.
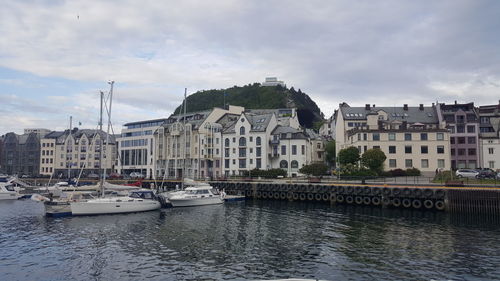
<point x="136" y="201"/>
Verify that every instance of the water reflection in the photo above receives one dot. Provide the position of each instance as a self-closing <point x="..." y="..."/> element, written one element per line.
<point x="248" y="240"/>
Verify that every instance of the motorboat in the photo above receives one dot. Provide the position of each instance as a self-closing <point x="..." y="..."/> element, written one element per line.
<point x="195" y="194"/>
<point x="136" y="201"/>
<point x="9" y="192"/>
<point x="60" y="206"/>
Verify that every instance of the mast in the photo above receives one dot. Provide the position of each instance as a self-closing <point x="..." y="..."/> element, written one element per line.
<point x="185" y="140"/>
<point x="101" y="182"/>
<point x="108" y="110"/>
<point x="69" y="138"/>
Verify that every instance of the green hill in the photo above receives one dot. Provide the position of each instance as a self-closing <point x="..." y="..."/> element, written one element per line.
<point x="257" y="97"/>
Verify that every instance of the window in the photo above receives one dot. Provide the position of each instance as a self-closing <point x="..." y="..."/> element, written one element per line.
<point x="257" y="141"/>
<point x="471" y="129"/>
<point x="491" y="150"/>
<point x="258" y="151"/>
<point x="365" y="136"/>
<point x="461" y="140"/>
<point x="243" y="163"/>
<point x="283" y="164"/>
<point x="234" y="140"/>
<point x="440" y="163"/>
<point x="243" y="141"/>
<point x="226" y="163"/>
<point x="376" y="147"/>
<point x="452" y="152"/>
<point x="376" y="136"/>
<point x="359" y="137"/>
<point x="471" y="140"/>
<point x="407" y="136"/>
<point x="258" y="163"/>
<point x="294" y="150"/>
<point x="294" y="164"/>
<point x="452" y="140"/>
<point x="460" y="129"/>
<point x="439" y="136"/>
<point x="303" y="148"/>
<point x="283" y="150"/>
<point x="423" y="136"/>
<point x="251" y="161"/>
<point x="491" y="164"/>
<point x="472" y="151"/>
<point x="242" y="130"/>
<point x="392" y="163"/>
<point x="424" y="149"/>
<point x="392" y="136"/>
<point x="392" y="149"/>
<point x="251" y="150"/>
<point x="408" y="163"/>
<point x="425" y="163"/>
<point x="242" y="152"/>
<point x="407" y="149"/>
<point x="440" y="149"/>
<point x="461" y="152"/>
<point x="234" y="161"/>
<point x="226" y="142"/>
<point x="251" y="139"/>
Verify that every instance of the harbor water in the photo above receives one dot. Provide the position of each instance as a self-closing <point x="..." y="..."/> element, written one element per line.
<point x="248" y="240"/>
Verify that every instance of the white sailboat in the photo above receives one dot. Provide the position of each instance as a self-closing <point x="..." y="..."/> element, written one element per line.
<point x="8" y="191"/>
<point x="137" y="201"/>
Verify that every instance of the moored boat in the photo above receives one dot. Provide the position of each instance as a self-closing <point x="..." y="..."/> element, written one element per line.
<point x="196" y="194"/>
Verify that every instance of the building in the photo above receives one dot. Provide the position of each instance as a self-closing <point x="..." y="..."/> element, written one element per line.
<point x="410" y="137"/>
<point x="272" y="81"/>
<point x="21" y="154"/>
<point x="136" y="147"/>
<point x="489" y="136"/>
<point x="40" y="132"/>
<point x="1" y="153"/>
<point x="463" y="123"/>
<point x="76" y="152"/>
<point x="227" y="142"/>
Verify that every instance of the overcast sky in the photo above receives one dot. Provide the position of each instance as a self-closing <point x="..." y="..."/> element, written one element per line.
<point x="55" y="55"/>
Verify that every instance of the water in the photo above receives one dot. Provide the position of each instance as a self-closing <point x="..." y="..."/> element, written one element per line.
<point x="248" y="241"/>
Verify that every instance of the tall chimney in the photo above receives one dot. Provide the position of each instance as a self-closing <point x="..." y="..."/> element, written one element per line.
<point x="367" y="106"/>
<point x="421" y="107"/>
<point x="405" y="107"/>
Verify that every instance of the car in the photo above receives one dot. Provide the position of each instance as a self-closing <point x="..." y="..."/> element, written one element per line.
<point x="466" y="173"/>
<point x="136" y="175"/>
<point x="486" y="174"/>
<point x="498" y="176"/>
<point x="93" y="176"/>
<point x="115" y="176"/>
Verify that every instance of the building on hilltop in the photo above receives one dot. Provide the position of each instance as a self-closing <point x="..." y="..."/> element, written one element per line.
<point x="21" y="154"/>
<point x="489" y="136"/>
<point x="73" y="152"/>
<point x="410" y="137"/>
<point x="39" y="131"/>
<point x="462" y="120"/>
<point x="272" y="81"/>
<point x="136" y="151"/>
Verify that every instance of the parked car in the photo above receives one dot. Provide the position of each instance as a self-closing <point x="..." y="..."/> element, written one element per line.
<point x="466" y="173"/>
<point x="93" y="176"/>
<point x="486" y="174"/>
<point x="136" y="175"/>
<point x="115" y="176"/>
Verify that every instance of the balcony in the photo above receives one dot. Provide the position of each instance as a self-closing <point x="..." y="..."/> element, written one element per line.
<point x="274" y="155"/>
<point x="274" y="142"/>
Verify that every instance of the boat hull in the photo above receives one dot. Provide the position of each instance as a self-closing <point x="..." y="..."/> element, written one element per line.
<point x="190" y="202"/>
<point x="9" y="196"/>
<point x="57" y="209"/>
<point x="100" y="207"/>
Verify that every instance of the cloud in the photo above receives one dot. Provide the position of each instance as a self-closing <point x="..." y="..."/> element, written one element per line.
<point x="381" y="52"/>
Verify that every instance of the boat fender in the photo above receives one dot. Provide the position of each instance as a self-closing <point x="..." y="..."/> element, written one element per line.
<point x="367" y="200"/>
<point x="396" y="202"/>
<point x="302" y="196"/>
<point x="349" y="190"/>
<point x="310" y="196"/>
<point x="282" y="195"/>
<point x="417" y="204"/>
<point x="340" y="198"/>
<point x="349" y="199"/>
<point x="386" y="201"/>
<point x="295" y="196"/>
<point x="386" y="191"/>
<point x="440" y="205"/>
<point x="396" y="191"/>
<point x="318" y="197"/>
<point x="428" y="204"/>
<point x="406" y="192"/>
<point x="440" y="193"/>
<point x="358" y="200"/>
<point x="326" y="196"/>
<point x="417" y="192"/>
<point x="375" y="201"/>
<point x="340" y="189"/>
<point x="428" y="193"/>
<point x="406" y="203"/>
<point x="376" y="191"/>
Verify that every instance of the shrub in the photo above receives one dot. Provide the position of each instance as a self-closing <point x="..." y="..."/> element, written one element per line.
<point x="397" y="173"/>
<point x="443" y="176"/>
<point x="413" y="172"/>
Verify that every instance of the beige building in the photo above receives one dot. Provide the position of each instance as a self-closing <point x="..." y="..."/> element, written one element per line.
<point x="489" y="136"/>
<point x="410" y="137"/>
<point x="76" y="151"/>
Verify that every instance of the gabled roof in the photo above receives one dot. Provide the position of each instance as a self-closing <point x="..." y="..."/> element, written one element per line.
<point x="289" y="132"/>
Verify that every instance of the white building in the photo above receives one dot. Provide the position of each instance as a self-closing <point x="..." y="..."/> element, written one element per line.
<point x="489" y="136"/>
<point x="136" y="147"/>
<point x="272" y="81"/>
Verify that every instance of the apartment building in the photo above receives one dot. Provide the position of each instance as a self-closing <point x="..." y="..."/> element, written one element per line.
<point x="71" y="153"/>
<point x="410" y="137"/>
<point x="136" y="151"/>
<point x="21" y="154"/>
<point x="489" y="136"/>
<point x="462" y="121"/>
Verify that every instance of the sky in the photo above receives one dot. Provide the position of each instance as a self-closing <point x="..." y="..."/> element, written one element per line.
<point x="56" y="56"/>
